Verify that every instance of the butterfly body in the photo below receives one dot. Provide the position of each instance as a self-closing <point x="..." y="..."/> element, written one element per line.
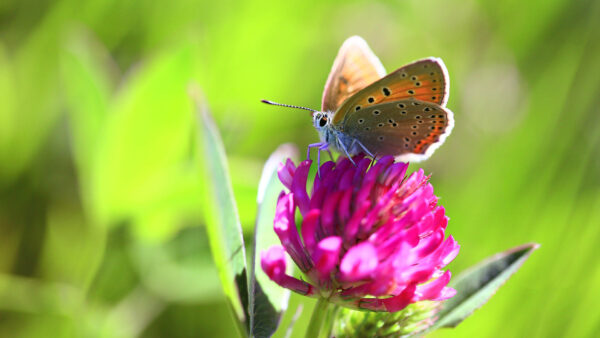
<point x="335" y="138"/>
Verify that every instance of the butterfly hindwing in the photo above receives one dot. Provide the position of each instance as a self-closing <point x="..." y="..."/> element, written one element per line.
<point x="410" y="129"/>
<point x="424" y="80"/>
<point x="354" y="68"/>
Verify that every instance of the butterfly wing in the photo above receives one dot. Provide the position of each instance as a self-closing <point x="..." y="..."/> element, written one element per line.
<point x="410" y="130"/>
<point x="424" y="80"/>
<point x="354" y="68"/>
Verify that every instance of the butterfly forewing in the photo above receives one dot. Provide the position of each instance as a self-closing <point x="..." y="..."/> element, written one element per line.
<point x="407" y="129"/>
<point x="424" y="80"/>
<point x="354" y="68"/>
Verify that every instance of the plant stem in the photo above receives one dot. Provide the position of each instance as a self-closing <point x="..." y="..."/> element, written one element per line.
<point x="327" y="327"/>
<point x="316" y="320"/>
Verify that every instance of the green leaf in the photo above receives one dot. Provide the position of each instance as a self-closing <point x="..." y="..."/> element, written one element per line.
<point x="476" y="285"/>
<point x="67" y="235"/>
<point x="29" y="295"/>
<point x="222" y="220"/>
<point x="143" y="152"/>
<point x="268" y="301"/>
<point x="30" y="93"/>
<point x="7" y="108"/>
<point x="173" y="275"/>
<point x="85" y="66"/>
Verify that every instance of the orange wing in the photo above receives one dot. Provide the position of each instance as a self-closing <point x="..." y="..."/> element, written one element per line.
<point x="410" y="130"/>
<point x="424" y="80"/>
<point x="354" y="68"/>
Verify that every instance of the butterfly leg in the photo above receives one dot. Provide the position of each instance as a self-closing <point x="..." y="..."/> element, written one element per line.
<point x="313" y="145"/>
<point x="330" y="154"/>
<point x="364" y="148"/>
<point x="324" y="146"/>
<point x="343" y="147"/>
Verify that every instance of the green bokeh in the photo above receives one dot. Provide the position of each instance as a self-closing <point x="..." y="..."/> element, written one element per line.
<point x="101" y="215"/>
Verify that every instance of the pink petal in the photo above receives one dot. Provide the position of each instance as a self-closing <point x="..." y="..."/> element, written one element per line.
<point x="318" y="195"/>
<point x="299" y="187"/>
<point x="365" y="190"/>
<point x="430" y="244"/>
<point x="451" y="250"/>
<point x="446" y="293"/>
<point x="285" y="228"/>
<point x="342" y="165"/>
<point x="273" y="262"/>
<point x="325" y="177"/>
<point x="352" y="227"/>
<point x="361" y="171"/>
<point x="418" y="275"/>
<point x="400" y="301"/>
<point x="328" y="214"/>
<point x="286" y="173"/>
<point x="395" y="173"/>
<point x="359" y="262"/>
<point x="345" y="182"/>
<point x="309" y="227"/>
<point x="394" y="238"/>
<point x="375" y="214"/>
<point x="440" y="218"/>
<point x="344" y="206"/>
<point x="327" y="255"/>
<point x="433" y="289"/>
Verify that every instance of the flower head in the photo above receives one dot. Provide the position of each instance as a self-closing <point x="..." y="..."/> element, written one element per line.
<point x="370" y="238"/>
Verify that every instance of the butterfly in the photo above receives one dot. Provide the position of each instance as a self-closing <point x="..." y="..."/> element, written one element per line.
<point x="363" y="110"/>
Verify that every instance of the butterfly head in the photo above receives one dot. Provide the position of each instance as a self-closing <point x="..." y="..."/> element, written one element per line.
<point x="321" y="120"/>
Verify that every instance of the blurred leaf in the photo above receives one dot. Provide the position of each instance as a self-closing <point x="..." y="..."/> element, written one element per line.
<point x="87" y="86"/>
<point x="7" y="97"/>
<point x="245" y="188"/>
<point x="33" y="109"/>
<point x="34" y="296"/>
<point x="222" y="221"/>
<point x="10" y="233"/>
<point x="475" y="286"/>
<point x="144" y="150"/>
<point x="268" y="301"/>
<point x="38" y="325"/>
<point x="116" y="275"/>
<point x="132" y="315"/>
<point x="72" y="250"/>
<point x="176" y="280"/>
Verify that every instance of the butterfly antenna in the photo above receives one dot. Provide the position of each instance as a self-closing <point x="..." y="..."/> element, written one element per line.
<point x="287" y="105"/>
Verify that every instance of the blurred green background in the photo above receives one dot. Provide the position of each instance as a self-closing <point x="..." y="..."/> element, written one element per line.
<point x="101" y="219"/>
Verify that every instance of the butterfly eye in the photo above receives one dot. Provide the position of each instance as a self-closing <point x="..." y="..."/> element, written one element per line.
<point x="323" y="122"/>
